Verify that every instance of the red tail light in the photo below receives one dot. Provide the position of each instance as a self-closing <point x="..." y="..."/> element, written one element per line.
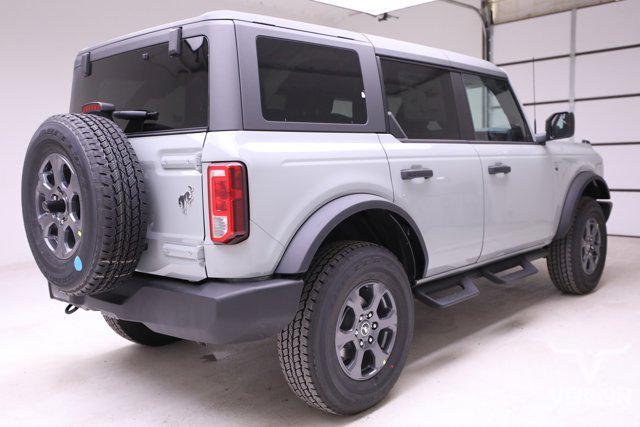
<point x="228" y="202"/>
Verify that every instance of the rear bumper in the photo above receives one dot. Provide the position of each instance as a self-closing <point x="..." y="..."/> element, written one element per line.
<point x="215" y="312"/>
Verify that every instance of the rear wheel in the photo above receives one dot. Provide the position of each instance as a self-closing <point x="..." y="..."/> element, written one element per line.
<point x="576" y="261"/>
<point x="138" y="332"/>
<point x="349" y="341"/>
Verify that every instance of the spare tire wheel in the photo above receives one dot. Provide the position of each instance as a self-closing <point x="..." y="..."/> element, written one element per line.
<point x="83" y="203"/>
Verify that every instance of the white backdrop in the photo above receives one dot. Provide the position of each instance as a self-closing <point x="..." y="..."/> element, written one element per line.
<point x="607" y="87"/>
<point x="39" y="41"/>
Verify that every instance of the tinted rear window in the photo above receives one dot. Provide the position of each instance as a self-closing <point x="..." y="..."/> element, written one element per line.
<point x="149" y="79"/>
<point x="305" y="82"/>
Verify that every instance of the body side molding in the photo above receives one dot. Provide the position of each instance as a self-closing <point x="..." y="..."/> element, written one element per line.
<point x="581" y="182"/>
<point x="307" y="240"/>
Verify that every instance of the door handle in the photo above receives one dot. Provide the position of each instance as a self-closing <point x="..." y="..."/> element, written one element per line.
<point x="416" y="173"/>
<point x="499" y="168"/>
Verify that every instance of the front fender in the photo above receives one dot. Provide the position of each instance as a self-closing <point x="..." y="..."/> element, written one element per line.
<point x="577" y="189"/>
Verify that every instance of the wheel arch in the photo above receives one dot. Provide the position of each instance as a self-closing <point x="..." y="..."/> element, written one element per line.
<point x="357" y="217"/>
<point x="585" y="183"/>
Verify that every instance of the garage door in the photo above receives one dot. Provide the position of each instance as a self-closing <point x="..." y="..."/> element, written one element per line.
<point x="602" y="78"/>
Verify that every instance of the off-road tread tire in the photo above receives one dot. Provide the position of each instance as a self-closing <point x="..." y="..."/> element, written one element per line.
<point x="121" y="197"/>
<point x="138" y="333"/>
<point x="113" y="158"/>
<point x="293" y="341"/>
<point x="561" y="254"/>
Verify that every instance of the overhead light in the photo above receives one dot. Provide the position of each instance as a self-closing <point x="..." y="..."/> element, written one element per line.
<point x="374" y="7"/>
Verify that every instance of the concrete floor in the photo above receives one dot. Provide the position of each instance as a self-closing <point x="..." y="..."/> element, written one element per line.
<point x="523" y="355"/>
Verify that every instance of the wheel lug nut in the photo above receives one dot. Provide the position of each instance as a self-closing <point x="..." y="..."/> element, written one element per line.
<point x="375" y="325"/>
<point x="361" y="317"/>
<point x="369" y="315"/>
<point x="370" y="340"/>
<point x="356" y="332"/>
<point x="361" y="343"/>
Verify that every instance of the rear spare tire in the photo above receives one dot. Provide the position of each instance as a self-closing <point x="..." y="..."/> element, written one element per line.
<point x="83" y="203"/>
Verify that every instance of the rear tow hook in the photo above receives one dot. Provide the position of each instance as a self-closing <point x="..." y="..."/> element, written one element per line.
<point x="70" y="309"/>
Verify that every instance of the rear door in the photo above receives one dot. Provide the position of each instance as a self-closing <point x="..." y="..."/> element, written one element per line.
<point x="519" y="176"/>
<point x="175" y="86"/>
<point x="173" y="179"/>
<point x="436" y="175"/>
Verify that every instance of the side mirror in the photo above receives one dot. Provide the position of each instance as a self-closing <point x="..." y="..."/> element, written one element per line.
<point x="560" y="125"/>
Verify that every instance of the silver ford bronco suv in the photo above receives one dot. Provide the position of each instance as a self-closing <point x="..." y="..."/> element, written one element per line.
<point x="233" y="177"/>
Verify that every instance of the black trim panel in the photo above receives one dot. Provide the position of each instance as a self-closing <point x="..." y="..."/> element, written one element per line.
<point x="306" y="242"/>
<point x="215" y="312"/>
<point x="385" y="107"/>
<point x="167" y="132"/>
<point x="465" y="120"/>
<point x="575" y="191"/>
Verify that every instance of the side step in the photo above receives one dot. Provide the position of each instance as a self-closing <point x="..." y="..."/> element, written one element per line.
<point x="455" y="289"/>
<point x="491" y="271"/>
<point x="442" y="293"/>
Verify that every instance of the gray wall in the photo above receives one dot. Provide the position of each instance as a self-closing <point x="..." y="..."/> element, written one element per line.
<point x="39" y="40"/>
<point x="606" y="87"/>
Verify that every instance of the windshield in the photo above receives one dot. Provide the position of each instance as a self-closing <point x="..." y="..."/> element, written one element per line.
<point x="149" y="79"/>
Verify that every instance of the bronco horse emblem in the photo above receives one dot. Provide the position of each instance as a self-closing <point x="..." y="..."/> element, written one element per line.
<point x="184" y="201"/>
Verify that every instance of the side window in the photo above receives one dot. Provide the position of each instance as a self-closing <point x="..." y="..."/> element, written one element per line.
<point x="305" y="82"/>
<point x="495" y="112"/>
<point x="421" y="99"/>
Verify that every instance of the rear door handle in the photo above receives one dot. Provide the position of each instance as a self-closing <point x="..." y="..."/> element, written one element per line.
<point x="416" y="173"/>
<point x="499" y="168"/>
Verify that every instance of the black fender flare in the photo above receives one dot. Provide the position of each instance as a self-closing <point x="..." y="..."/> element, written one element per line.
<point x="307" y="240"/>
<point x="576" y="189"/>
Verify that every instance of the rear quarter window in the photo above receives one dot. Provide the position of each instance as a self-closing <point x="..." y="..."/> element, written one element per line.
<point x="311" y="83"/>
<point x="149" y="79"/>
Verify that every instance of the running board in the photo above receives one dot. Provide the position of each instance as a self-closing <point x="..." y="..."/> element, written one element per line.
<point x="455" y="290"/>
<point x="442" y="293"/>
<point x="526" y="269"/>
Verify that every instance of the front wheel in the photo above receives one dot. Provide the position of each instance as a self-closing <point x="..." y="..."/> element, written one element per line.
<point x="349" y="340"/>
<point x="576" y="261"/>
